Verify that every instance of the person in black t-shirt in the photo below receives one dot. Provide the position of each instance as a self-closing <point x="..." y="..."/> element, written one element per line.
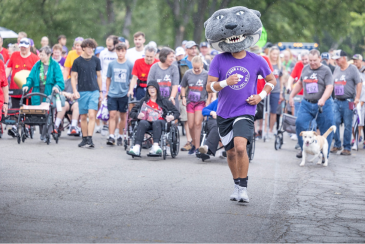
<point x="85" y="72"/>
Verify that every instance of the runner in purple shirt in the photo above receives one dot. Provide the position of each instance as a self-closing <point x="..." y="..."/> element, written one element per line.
<point x="234" y="75"/>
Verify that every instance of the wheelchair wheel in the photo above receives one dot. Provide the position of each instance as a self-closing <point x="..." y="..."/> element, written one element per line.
<point x="18" y="136"/>
<point x="125" y="144"/>
<point x="31" y="132"/>
<point x="281" y="136"/>
<point x="174" y="141"/>
<point x="23" y="135"/>
<point x="277" y="142"/>
<point x="252" y="154"/>
<point x="163" y="142"/>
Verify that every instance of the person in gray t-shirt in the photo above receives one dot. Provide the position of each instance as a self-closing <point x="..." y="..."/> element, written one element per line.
<point x="317" y="82"/>
<point x="193" y="87"/>
<point x="167" y="75"/>
<point x="345" y="82"/>
<point x="314" y="81"/>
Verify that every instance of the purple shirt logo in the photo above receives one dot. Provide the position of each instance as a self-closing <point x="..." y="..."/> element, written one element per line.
<point x="243" y="75"/>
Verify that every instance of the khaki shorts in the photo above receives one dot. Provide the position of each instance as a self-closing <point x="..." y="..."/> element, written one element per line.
<point x="183" y="113"/>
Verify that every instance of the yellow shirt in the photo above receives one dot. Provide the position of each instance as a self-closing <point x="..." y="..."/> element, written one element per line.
<point x="72" y="55"/>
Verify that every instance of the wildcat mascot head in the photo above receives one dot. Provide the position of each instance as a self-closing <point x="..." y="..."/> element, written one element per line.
<point x="233" y="29"/>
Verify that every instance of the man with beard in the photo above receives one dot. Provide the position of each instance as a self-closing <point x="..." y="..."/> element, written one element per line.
<point x="136" y="52"/>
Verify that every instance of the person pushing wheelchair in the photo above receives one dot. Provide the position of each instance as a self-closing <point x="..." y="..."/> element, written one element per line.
<point x="161" y="110"/>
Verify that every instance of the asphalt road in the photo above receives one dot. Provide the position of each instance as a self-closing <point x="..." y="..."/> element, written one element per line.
<point x="61" y="193"/>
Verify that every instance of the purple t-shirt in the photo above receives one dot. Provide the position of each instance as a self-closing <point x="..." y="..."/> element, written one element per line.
<point x="62" y="62"/>
<point x="232" y="99"/>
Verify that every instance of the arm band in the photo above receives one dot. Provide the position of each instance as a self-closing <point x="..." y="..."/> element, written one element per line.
<point x="212" y="87"/>
<point x="223" y="83"/>
<point x="263" y="94"/>
<point x="271" y="85"/>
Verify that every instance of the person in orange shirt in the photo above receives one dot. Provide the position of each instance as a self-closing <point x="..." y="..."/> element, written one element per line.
<point x="72" y="55"/>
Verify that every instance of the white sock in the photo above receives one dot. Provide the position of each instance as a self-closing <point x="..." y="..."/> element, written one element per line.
<point x="111" y="135"/>
<point x="137" y="147"/>
<point x="74" y="122"/>
<point x="58" y="122"/>
<point x="155" y="145"/>
<point x="120" y="136"/>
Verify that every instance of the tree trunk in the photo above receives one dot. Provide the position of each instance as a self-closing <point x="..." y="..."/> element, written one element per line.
<point x="128" y="18"/>
<point x="199" y="20"/>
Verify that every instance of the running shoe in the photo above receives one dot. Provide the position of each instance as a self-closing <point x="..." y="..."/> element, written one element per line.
<point x="156" y="150"/>
<point x="119" y="141"/>
<point x="134" y="151"/>
<point x="98" y="129"/>
<point x="110" y="141"/>
<point x="222" y="154"/>
<point x="105" y="130"/>
<point x="360" y="139"/>
<point x="167" y="151"/>
<point x="294" y="137"/>
<point x="297" y="146"/>
<point x="73" y="131"/>
<point x="242" y="194"/>
<point x="203" y="149"/>
<point x="187" y="147"/>
<point x="234" y="195"/>
<point x="192" y="150"/>
<point x="55" y="130"/>
<point x="84" y="142"/>
<point x="90" y="143"/>
<point x="12" y="132"/>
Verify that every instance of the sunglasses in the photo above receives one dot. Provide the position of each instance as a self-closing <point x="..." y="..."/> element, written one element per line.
<point x="24" y="42"/>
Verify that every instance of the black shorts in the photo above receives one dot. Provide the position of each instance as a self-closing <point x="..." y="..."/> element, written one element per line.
<point x="240" y="126"/>
<point x="119" y="104"/>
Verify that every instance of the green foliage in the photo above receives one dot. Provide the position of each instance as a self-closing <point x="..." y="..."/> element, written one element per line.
<point x="331" y="23"/>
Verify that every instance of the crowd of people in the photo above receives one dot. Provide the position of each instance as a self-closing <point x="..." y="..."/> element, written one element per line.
<point x="177" y="80"/>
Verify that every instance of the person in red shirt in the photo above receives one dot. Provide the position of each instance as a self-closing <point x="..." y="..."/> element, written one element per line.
<point x="23" y="60"/>
<point x="4" y="51"/>
<point x="4" y="91"/>
<point x="295" y="77"/>
<point x="140" y="71"/>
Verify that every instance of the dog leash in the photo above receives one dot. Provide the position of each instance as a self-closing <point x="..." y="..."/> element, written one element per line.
<point x="320" y="110"/>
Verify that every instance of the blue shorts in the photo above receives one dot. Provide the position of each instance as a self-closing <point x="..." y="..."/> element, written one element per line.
<point x="274" y="102"/>
<point x="88" y="100"/>
<point x="119" y="104"/>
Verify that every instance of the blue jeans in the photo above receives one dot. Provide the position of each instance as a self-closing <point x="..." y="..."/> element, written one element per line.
<point x="296" y="108"/>
<point x="307" y="113"/>
<point x="343" y="113"/>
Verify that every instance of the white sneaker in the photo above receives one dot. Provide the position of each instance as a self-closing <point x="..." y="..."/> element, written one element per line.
<point x="354" y="147"/>
<point x="294" y="137"/>
<point x="203" y="149"/>
<point x="167" y="151"/>
<point x="105" y="130"/>
<point x="234" y="195"/>
<point x="242" y="194"/>
<point x="220" y="154"/>
<point x="134" y="150"/>
<point x="98" y="129"/>
<point x="270" y="135"/>
<point x="156" y="150"/>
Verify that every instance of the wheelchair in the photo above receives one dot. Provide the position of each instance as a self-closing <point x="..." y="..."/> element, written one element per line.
<point x="203" y="137"/>
<point x="170" y="137"/>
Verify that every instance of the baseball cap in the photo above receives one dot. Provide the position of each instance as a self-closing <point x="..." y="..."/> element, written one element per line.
<point x="121" y="39"/>
<point x="98" y="49"/>
<point x="190" y="44"/>
<point x="325" y="56"/>
<point x="338" y="54"/>
<point x="184" y="42"/>
<point x="179" y="51"/>
<point x="204" y="44"/>
<point x="357" y="57"/>
<point x="78" y="40"/>
<point x="24" y="42"/>
<point x="214" y="52"/>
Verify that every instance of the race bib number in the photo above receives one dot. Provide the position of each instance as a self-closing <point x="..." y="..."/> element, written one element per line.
<point x="165" y="91"/>
<point x="194" y="96"/>
<point x="311" y="88"/>
<point x="339" y="90"/>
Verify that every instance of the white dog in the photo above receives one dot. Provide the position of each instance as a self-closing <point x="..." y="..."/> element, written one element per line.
<point x="314" y="144"/>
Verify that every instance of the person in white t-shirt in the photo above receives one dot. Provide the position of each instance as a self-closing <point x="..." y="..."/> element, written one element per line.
<point x="106" y="56"/>
<point x="136" y="52"/>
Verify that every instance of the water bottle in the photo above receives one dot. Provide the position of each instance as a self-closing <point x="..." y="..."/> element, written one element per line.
<point x="58" y="103"/>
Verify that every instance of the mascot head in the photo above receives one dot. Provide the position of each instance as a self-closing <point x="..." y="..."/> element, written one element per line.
<point x="233" y="29"/>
